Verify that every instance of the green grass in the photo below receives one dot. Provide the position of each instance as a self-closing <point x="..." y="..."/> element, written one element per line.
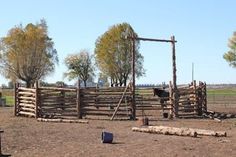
<point x="10" y="100"/>
<point x="223" y="91"/>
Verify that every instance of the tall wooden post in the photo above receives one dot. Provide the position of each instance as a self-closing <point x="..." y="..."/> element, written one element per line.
<point x="78" y="101"/>
<point x="195" y="97"/>
<point x="16" y="105"/>
<point x="171" y="100"/>
<point x="1" y="131"/>
<point x="133" y="80"/>
<point x="175" y="90"/>
<point x="36" y="99"/>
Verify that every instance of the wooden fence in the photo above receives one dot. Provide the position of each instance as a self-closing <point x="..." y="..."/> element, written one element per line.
<point x="192" y="101"/>
<point x="73" y="103"/>
<point x="69" y="103"/>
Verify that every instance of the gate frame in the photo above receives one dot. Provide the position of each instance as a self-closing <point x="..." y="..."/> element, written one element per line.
<point x="175" y="89"/>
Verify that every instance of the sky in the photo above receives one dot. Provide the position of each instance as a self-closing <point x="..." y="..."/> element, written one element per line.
<point x="202" y="29"/>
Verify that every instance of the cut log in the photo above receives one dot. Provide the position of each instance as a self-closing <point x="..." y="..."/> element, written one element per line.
<point x="210" y="132"/>
<point x="63" y="120"/>
<point x="166" y="130"/>
<point x="180" y="131"/>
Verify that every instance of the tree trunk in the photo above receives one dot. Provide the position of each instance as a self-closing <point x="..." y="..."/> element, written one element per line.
<point x="28" y="84"/>
<point x="85" y="84"/>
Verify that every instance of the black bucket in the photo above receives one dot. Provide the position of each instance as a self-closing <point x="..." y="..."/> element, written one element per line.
<point x="107" y="137"/>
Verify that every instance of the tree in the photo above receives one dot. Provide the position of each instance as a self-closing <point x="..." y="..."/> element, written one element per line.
<point x="113" y="54"/>
<point x="230" y="56"/>
<point x="80" y="65"/>
<point x="27" y="53"/>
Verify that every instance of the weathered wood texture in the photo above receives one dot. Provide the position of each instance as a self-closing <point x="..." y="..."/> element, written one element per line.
<point x="179" y="131"/>
<point x="166" y="130"/>
<point x="25" y="101"/>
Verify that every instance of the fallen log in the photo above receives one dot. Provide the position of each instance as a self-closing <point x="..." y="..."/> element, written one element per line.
<point x="180" y="131"/>
<point x="62" y="120"/>
<point x="166" y="130"/>
<point x="210" y="132"/>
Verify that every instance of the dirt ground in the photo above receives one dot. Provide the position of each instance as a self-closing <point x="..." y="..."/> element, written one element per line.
<point x="25" y="137"/>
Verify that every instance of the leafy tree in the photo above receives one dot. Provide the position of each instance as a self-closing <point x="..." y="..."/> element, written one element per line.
<point x="103" y="80"/>
<point x="230" y="56"/>
<point x="27" y="53"/>
<point x="79" y="65"/>
<point x="113" y="54"/>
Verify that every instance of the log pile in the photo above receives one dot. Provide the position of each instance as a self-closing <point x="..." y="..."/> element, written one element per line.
<point x="25" y="102"/>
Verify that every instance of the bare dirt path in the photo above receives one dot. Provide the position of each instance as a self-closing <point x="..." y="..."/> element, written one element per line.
<point x="25" y="137"/>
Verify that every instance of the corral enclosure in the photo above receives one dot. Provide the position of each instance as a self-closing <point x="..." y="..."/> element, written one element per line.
<point x="118" y="102"/>
<point x="223" y="98"/>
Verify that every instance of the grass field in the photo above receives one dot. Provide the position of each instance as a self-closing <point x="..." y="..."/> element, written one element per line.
<point x="222" y="91"/>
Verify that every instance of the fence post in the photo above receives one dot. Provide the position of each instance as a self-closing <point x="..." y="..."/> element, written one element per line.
<point x="36" y="99"/>
<point x="1" y="131"/>
<point x="200" y="98"/>
<point x="204" y="97"/>
<point x="171" y="99"/>
<point x="195" y="97"/>
<point x="16" y="105"/>
<point x="62" y="95"/>
<point x="78" y="101"/>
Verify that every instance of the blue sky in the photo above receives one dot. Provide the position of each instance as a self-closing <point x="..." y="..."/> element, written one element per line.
<point x="202" y="29"/>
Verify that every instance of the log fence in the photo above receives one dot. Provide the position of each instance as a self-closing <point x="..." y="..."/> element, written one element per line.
<point x="113" y="102"/>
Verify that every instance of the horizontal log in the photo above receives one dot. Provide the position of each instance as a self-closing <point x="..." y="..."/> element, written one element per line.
<point x="58" y="106"/>
<point x="166" y="130"/>
<point x="105" y="113"/>
<point x="26" y="89"/>
<point x="27" y="109"/>
<point x="105" y="110"/>
<point x="26" y="98"/>
<point x="27" y="105"/>
<point x="210" y="132"/>
<point x="105" y="93"/>
<point x="27" y="93"/>
<point x="63" y="120"/>
<point x="26" y="113"/>
<point x="24" y="102"/>
<point x="58" y="89"/>
<point x="153" y="108"/>
<point x="187" y="114"/>
<point x="103" y="105"/>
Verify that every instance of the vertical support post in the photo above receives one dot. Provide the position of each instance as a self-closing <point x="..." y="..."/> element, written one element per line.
<point x="36" y="99"/>
<point x="16" y="105"/>
<point x="204" y="97"/>
<point x="175" y="90"/>
<point x="78" y="101"/>
<point x="200" y="98"/>
<point x="1" y="131"/>
<point x="171" y="100"/>
<point x="62" y="105"/>
<point x="133" y="80"/>
<point x="195" y="97"/>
